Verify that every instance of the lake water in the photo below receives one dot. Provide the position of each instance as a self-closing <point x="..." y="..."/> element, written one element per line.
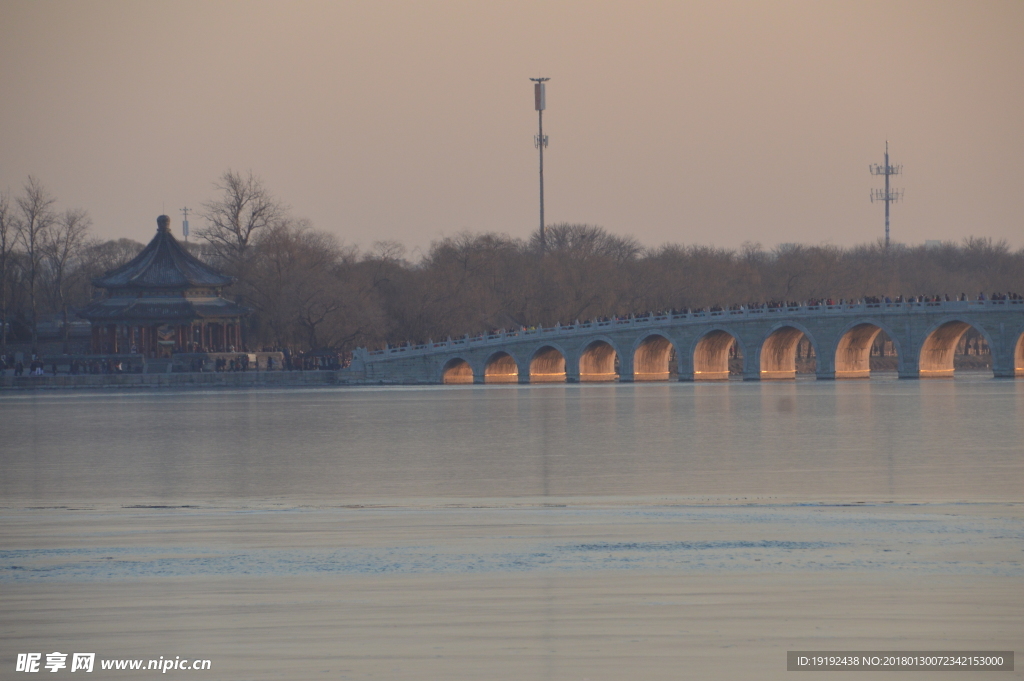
<point x="852" y="440"/>
<point x="655" y="531"/>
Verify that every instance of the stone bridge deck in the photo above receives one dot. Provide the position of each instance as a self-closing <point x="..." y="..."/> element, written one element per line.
<point x="697" y="345"/>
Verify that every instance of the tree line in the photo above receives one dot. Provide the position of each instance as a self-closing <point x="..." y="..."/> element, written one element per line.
<point x="308" y="291"/>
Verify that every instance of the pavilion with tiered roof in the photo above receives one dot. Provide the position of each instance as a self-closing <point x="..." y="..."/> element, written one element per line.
<point x="164" y="301"/>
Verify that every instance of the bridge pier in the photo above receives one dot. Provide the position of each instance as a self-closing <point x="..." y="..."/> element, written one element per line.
<point x="684" y="365"/>
<point x="908" y="367"/>
<point x="1009" y="361"/>
<point x="825" y="366"/>
<point x="752" y="363"/>
<point x="626" y="370"/>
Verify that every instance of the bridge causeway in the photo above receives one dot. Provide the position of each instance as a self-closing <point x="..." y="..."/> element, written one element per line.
<point x="924" y="334"/>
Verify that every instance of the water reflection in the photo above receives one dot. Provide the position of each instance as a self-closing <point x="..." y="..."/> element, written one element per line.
<point x="928" y="439"/>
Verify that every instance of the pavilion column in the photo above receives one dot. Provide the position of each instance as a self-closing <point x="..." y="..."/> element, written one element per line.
<point x="238" y="335"/>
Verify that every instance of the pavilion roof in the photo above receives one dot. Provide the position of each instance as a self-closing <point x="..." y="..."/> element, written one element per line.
<point x="164" y="263"/>
<point x="161" y="309"/>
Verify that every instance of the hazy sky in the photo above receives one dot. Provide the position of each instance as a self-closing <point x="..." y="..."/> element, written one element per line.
<point x="711" y="122"/>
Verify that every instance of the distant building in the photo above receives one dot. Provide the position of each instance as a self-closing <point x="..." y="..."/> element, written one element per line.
<point x="162" y="302"/>
<point x="933" y="243"/>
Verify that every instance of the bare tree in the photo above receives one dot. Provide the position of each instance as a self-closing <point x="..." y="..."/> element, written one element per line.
<point x="62" y="244"/>
<point x="299" y="281"/>
<point x="6" y="246"/>
<point x="103" y="256"/>
<point x="244" y="207"/>
<point x="34" y="218"/>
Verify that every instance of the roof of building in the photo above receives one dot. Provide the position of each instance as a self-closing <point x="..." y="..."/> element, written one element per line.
<point x="166" y="309"/>
<point x="163" y="264"/>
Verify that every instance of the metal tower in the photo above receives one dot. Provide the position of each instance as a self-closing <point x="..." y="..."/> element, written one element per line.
<point x="184" y="223"/>
<point x="540" y="142"/>
<point x="887" y="195"/>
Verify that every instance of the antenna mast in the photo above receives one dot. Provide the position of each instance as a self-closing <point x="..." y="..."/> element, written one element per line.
<point x="184" y="223"/>
<point x="887" y="195"/>
<point x="540" y="142"/>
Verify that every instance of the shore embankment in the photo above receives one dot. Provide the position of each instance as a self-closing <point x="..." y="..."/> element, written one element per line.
<point x="206" y="379"/>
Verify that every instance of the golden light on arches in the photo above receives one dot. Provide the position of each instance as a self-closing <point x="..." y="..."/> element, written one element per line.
<point x="711" y="356"/>
<point x="597" y="362"/>
<point x="501" y="368"/>
<point x="547" y="366"/>
<point x="457" y="371"/>
<point x="653" y="358"/>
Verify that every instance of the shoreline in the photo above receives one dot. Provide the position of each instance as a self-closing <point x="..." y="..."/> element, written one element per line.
<point x="329" y="378"/>
<point x="226" y="379"/>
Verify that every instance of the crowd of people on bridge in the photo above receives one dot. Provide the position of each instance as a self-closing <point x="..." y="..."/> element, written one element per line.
<point x="758" y="305"/>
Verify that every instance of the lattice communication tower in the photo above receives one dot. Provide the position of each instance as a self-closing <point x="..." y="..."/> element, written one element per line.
<point x="886" y="195"/>
<point x="540" y="141"/>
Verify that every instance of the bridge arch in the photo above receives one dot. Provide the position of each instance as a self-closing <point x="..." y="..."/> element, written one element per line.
<point x="547" y="364"/>
<point x="1017" y="358"/>
<point x="853" y="348"/>
<point x="598" y="360"/>
<point x="710" y="354"/>
<point x="1018" y="354"/>
<point x="456" y="370"/>
<point x="652" y="355"/>
<point x="501" y="367"/>
<point x="778" y="350"/>
<point x="935" y="359"/>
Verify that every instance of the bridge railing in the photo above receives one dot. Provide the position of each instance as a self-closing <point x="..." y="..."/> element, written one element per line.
<point x="559" y="330"/>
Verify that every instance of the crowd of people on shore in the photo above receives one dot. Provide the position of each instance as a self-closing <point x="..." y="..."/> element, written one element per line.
<point x="287" y="361"/>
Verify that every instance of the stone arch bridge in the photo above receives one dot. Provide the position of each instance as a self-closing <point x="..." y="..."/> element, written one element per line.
<point x="696" y="345"/>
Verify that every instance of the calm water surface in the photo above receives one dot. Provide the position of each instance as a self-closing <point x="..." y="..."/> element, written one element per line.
<point x="882" y="438"/>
